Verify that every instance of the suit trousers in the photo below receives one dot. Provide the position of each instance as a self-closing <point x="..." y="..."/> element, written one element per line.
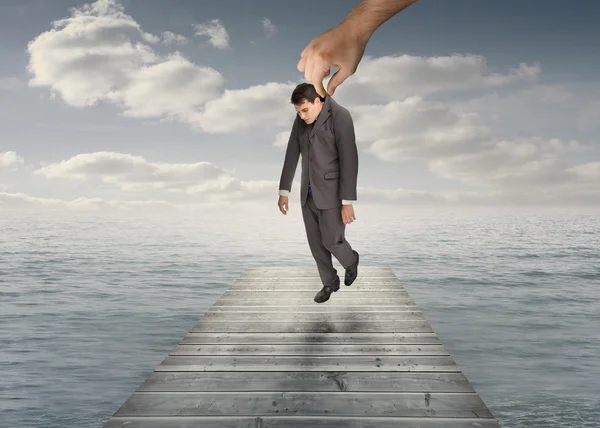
<point x="325" y="231"/>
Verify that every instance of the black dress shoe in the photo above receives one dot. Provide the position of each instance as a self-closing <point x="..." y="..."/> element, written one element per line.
<point x="325" y="292"/>
<point x="351" y="272"/>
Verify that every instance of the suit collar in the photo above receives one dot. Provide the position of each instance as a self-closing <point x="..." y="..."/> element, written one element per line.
<point x="323" y="115"/>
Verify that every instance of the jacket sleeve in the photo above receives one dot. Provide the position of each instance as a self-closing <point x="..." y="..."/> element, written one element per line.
<point x="345" y="141"/>
<point x="292" y="154"/>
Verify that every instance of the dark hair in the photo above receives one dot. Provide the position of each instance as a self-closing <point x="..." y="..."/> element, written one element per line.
<point x="305" y="91"/>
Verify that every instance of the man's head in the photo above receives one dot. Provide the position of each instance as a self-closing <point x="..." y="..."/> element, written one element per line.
<point x="307" y="102"/>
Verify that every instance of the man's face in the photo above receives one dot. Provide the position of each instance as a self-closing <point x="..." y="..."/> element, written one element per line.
<point x="308" y="111"/>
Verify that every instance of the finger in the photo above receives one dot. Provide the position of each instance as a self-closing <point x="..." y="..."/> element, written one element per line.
<point x="310" y="62"/>
<point x="302" y="63"/>
<point x="320" y="70"/>
<point x="319" y="87"/>
<point x="337" y="79"/>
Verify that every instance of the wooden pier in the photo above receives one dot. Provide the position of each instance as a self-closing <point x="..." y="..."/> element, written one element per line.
<point x="266" y="355"/>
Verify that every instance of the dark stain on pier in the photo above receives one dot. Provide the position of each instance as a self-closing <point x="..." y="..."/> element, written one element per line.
<point x="336" y="377"/>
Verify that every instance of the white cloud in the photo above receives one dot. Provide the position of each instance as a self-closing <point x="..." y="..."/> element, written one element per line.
<point x="395" y="77"/>
<point x="588" y="172"/>
<point x="532" y="109"/>
<point x="456" y="146"/>
<point x="216" y="32"/>
<point x="133" y="173"/>
<point x="269" y="28"/>
<point x="261" y="106"/>
<point x="589" y="118"/>
<point x="414" y="127"/>
<point x="171" y="38"/>
<point x="198" y="181"/>
<point x="511" y="164"/>
<point x="10" y="159"/>
<point x="281" y="139"/>
<point x="548" y="94"/>
<point x="101" y="54"/>
<point x="173" y="87"/>
<point x="24" y="201"/>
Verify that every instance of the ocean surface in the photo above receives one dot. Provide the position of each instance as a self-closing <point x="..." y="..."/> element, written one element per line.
<point x="91" y="303"/>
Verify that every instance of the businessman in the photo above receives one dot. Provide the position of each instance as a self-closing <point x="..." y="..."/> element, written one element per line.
<point x="323" y="132"/>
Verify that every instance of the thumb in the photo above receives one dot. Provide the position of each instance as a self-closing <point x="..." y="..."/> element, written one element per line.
<point x="337" y="79"/>
<point x="319" y="87"/>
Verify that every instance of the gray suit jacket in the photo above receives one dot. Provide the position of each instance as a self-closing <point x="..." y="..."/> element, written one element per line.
<point x="329" y="158"/>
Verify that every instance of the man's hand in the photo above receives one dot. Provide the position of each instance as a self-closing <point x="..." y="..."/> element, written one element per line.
<point x="344" y="44"/>
<point x="283" y="204"/>
<point x="348" y="214"/>
<point x="340" y="46"/>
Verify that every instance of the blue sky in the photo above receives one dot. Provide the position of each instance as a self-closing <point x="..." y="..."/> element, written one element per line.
<point x="455" y="103"/>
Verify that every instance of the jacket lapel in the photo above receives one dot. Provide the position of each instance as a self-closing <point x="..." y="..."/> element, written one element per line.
<point x="322" y="117"/>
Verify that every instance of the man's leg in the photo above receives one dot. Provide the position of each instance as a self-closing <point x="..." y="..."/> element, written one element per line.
<point x="321" y="254"/>
<point x="333" y="231"/>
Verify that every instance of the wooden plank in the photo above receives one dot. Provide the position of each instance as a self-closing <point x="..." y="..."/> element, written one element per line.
<point x="415" y="326"/>
<point x="302" y="268"/>
<point x="320" y="381"/>
<point x="392" y="279"/>
<point x="371" y="271"/>
<point x="298" y="422"/>
<point x="389" y="282"/>
<point x="314" y="309"/>
<point x="336" y="299"/>
<point x="398" y="404"/>
<point x="309" y="363"/>
<point x="311" y="276"/>
<point x="308" y="349"/>
<point x="316" y="287"/>
<point x="288" y="316"/>
<point x="354" y="338"/>
<point x="314" y="279"/>
<point x="310" y="292"/>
